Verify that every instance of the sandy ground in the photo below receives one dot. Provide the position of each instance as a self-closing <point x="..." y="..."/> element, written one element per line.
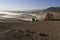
<point x="44" y="30"/>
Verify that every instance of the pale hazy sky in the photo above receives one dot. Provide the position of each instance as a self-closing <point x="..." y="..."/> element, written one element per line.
<point x="27" y="4"/>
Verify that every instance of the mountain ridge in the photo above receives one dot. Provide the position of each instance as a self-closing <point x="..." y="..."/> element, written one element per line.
<point x="53" y="9"/>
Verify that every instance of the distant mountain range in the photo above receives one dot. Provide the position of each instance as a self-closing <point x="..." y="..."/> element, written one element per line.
<point x="50" y="9"/>
<point x="53" y="9"/>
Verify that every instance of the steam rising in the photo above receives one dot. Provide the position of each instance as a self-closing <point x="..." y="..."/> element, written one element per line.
<point x="24" y="16"/>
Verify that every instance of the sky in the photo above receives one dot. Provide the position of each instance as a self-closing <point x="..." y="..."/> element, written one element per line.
<point x="27" y="4"/>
